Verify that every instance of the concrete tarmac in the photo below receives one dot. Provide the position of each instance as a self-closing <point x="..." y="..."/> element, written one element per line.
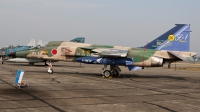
<point x="75" y="88"/>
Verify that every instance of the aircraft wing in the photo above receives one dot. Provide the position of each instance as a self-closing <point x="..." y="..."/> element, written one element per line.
<point x="182" y="57"/>
<point x="109" y="52"/>
<point x="87" y="48"/>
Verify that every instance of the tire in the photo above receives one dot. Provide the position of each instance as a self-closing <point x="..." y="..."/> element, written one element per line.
<point x="116" y="73"/>
<point x="107" y="73"/>
<point x="50" y="71"/>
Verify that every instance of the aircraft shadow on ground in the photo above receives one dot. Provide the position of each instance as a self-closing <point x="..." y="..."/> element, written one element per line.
<point x="97" y="75"/>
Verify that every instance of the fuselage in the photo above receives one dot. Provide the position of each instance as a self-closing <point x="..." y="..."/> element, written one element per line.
<point x="70" y="51"/>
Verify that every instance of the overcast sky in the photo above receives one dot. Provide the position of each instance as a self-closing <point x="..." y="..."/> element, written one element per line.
<point x="130" y="23"/>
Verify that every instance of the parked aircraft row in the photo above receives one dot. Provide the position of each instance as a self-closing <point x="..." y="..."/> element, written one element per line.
<point x="10" y="51"/>
<point x="174" y="45"/>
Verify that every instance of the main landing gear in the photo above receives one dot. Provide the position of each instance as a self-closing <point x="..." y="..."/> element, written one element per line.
<point x="50" y="67"/>
<point x="108" y="73"/>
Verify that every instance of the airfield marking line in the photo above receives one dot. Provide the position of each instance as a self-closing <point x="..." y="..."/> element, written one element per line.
<point x="36" y="98"/>
<point x="136" y="102"/>
<point x="165" y="108"/>
<point x="24" y="107"/>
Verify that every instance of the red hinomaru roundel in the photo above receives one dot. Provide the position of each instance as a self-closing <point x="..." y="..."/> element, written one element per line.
<point x="54" y="51"/>
<point x="11" y="52"/>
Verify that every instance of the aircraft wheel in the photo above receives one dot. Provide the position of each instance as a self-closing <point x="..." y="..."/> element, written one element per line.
<point x="50" y="71"/>
<point x="116" y="73"/>
<point x="106" y="73"/>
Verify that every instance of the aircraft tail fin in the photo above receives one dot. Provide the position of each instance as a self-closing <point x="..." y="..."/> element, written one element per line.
<point x="31" y="42"/>
<point x="39" y="42"/>
<point x="176" y="39"/>
<point x="78" y="40"/>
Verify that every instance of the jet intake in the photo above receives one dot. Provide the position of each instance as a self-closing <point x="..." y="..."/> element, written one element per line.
<point x="23" y="54"/>
<point x="156" y="61"/>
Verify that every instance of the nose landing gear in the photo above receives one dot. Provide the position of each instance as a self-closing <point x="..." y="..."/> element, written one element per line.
<point x="50" y="67"/>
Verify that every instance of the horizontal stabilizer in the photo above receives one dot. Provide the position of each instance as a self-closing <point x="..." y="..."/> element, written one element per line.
<point x="182" y="57"/>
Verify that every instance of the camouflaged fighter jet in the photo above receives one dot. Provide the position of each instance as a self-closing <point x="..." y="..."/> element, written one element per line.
<point x="167" y="48"/>
<point x="37" y="46"/>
